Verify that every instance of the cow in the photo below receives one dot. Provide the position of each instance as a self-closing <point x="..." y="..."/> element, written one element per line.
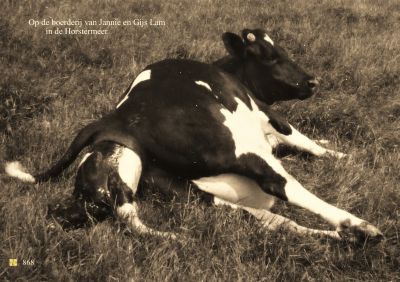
<point x="100" y="191"/>
<point x="213" y="127"/>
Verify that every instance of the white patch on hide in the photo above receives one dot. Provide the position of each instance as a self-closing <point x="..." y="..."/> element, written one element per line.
<point x="129" y="168"/>
<point x="143" y="76"/>
<point x="204" y="84"/>
<point x="246" y="126"/>
<point x="87" y="155"/>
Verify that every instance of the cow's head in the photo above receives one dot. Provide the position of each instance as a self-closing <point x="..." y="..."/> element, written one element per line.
<point x="266" y="68"/>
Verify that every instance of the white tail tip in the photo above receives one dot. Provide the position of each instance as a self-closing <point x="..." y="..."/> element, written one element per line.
<point x="14" y="169"/>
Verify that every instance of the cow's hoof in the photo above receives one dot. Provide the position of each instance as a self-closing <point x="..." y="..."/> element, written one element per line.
<point x="340" y="155"/>
<point x="51" y="226"/>
<point x="173" y="237"/>
<point x="167" y="235"/>
<point x="364" y="232"/>
<point x="322" y="141"/>
<point x="337" y="154"/>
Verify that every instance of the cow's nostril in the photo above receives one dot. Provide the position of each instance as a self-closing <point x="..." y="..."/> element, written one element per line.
<point x="312" y="83"/>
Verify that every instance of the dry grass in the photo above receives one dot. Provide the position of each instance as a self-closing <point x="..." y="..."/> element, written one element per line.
<point x="52" y="85"/>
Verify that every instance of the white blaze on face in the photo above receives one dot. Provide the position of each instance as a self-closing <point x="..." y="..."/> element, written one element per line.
<point x="129" y="168"/>
<point x="143" y="76"/>
<point x="246" y="127"/>
<point x="268" y="39"/>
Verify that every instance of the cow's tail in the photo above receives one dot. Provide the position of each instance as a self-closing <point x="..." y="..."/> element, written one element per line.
<point x="105" y="129"/>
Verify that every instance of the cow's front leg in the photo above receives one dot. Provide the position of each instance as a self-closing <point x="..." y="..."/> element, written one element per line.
<point x="278" y="131"/>
<point x="273" y="179"/>
<point x="302" y="142"/>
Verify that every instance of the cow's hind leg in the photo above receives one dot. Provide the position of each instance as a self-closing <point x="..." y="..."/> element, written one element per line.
<point x="240" y="192"/>
<point x="346" y="223"/>
<point x="269" y="174"/>
<point x="272" y="221"/>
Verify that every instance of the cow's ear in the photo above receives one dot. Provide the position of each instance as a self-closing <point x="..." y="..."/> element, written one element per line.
<point x="234" y="44"/>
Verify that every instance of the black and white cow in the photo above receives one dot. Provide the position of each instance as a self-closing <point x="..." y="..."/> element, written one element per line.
<point x="210" y="124"/>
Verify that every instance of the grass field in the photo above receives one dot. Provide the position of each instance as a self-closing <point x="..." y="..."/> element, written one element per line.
<point x="52" y="85"/>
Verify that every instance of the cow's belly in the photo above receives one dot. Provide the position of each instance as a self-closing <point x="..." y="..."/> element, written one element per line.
<point x="236" y="189"/>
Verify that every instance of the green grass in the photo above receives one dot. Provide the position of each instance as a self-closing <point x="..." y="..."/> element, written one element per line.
<point x="53" y="85"/>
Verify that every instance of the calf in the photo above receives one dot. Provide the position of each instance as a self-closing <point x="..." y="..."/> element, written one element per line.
<point x="108" y="177"/>
<point x="199" y="122"/>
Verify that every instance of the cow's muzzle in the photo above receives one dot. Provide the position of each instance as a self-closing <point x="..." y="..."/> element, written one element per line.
<point x="308" y="88"/>
<point x="312" y="83"/>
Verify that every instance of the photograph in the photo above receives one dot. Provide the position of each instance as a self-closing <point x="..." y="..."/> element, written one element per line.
<point x="205" y="140"/>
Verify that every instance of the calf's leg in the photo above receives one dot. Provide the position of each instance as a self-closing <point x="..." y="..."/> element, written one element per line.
<point x="129" y="169"/>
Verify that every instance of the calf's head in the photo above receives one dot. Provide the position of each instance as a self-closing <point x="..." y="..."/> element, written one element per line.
<point x="98" y="188"/>
<point x="90" y="198"/>
<point x="266" y="69"/>
<point x="92" y="180"/>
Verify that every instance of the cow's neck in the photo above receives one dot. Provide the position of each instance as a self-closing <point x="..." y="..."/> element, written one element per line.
<point x="235" y="67"/>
